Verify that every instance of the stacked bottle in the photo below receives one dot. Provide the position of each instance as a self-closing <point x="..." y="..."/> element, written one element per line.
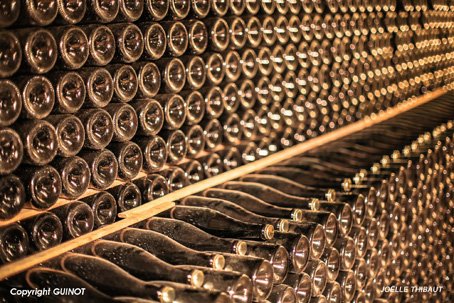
<point x="316" y="227"/>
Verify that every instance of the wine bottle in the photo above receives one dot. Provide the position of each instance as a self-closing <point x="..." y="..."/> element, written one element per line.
<point x="103" y="166"/>
<point x="359" y="235"/>
<point x="128" y="196"/>
<point x="11" y="95"/>
<point x="99" y="84"/>
<point x="195" y="138"/>
<point x="298" y="247"/>
<point x="129" y="157"/>
<point x="176" y="178"/>
<point x="76" y="217"/>
<point x="276" y="254"/>
<point x="99" y="129"/>
<point x="40" y="49"/>
<point x="301" y="284"/>
<point x="347" y="250"/>
<point x="116" y="282"/>
<point x="152" y="187"/>
<point x="314" y="233"/>
<point x="290" y="187"/>
<point x="129" y="42"/>
<point x="272" y="196"/>
<point x="282" y="293"/>
<point x="318" y="272"/>
<point x="212" y="164"/>
<point x="70" y="134"/>
<point x="195" y="238"/>
<point x="43" y="277"/>
<point x="44" y="231"/>
<point x="327" y="220"/>
<point x="333" y="292"/>
<point x="13" y="150"/>
<point x="217" y="223"/>
<point x="72" y="45"/>
<point x="253" y="204"/>
<point x="235" y="211"/>
<point x="75" y="176"/>
<point x="104" y="207"/>
<point x="150" y="116"/>
<point x="347" y="282"/>
<point x="101" y="43"/>
<point x="43" y="185"/>
<point x="40" y="141"/>
<point x="14" y="243"/>
<point x="155" y="152"/>
<point x="169" y="250"/>
<point x="125" y="121"/>
<point x="143" y="264"/>
<point x="12" y="197"/>
<point x="175" y="110"/>
<point x="125" y="81"/>
<point x="11" y="13"/>
<point x="177" y="38"/>
<point x="177" y="145"/>
<point x="332" y="260"/>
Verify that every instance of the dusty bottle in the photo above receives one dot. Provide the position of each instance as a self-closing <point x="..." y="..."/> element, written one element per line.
<point x="195" y="138"/>
<point x="125" y="81"/>
<point x="12" y="103"/>
<point x="103" y="166"/>
<point x="70" y="92"/>
<point x="155" y="40"/>
<point x="76" y="217"/>
<point x="176" y="178"/>
<point x="225" y="225"/>
<point x="233" y="210"/>
<point x="128" y="196"/>
<point x="72" y="45"/>
<point x="44" y="231"/>
<point x="177" y="38"/>
<point x="169" y="250"/>
<point x="175" y="110"/>
<point x="13" y="54"/>
<point x="104" y="12"/>
<point x="101" y="43"/>
<point x="12" y="197"/>
<point x="129" y="157"/>
<point x="157" y="10"/>
<point x="194" y="171"/>
<point x="231" y="158"/>
<point x="43" y="185"/>
<point x="212" y="165"/>
<point x="273" y="196"/>
<point x="104" y="207"/>
<point x="195" y="104"/>
<point x="44" y="277"/>
<point x="288" y="186"/>
<point x="155" y="152"/>
<point x="213" y="133"/>
<point x="193" y="237"/>
<point x="152" y="187"/>
<point x="173" y="75"/>
<point x="12" y="150"/>
<point x="98" y="126"/>
<point x="177" y="145"/>
<point x="15" y="243"/>
<point x="38" y="97"/>
<point x="121" y="282"/>
<point x="40" y="49"/>
<point x="282" y="293"/>
<point x="75" y="175"/>
<point x="125" y="121"/>
<point x="70" y="134"/>
<point x="40" y="139"/>
<point x="253" y="204"/>
<point x="197" y="36"/>
<point x="150" y="116"/>
<point x="195" y="72"/>
<point x="99" y="84"/>
<point x="143" y="264"/>
<point x="129" y="42"/>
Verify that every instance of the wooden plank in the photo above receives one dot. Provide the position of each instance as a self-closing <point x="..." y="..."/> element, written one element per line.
<point x="152" y="208"/>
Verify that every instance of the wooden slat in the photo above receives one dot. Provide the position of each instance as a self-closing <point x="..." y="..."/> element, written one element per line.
<point x="152" y="208"/>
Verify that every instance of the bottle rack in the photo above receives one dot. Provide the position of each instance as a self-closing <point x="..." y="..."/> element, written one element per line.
<point x="159" y="205"/>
